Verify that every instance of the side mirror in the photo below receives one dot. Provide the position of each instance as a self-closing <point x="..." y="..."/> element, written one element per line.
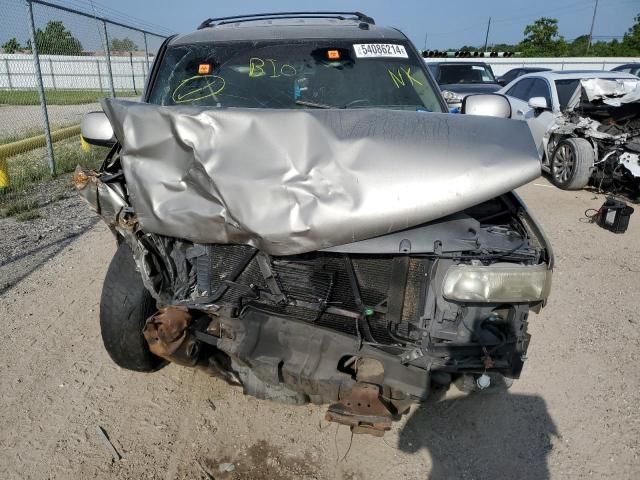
<point x="97" y="130"/>
<point x="489" y="105"/>
<point x="538" y="103"/>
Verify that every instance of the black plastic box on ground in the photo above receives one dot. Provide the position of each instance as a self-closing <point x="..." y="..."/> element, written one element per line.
<point x="614" y="215"/>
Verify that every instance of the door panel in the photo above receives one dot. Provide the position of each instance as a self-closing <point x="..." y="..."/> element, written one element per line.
<point x="539" y="123"/>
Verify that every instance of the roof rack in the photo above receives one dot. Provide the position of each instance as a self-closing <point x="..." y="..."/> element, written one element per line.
<point x="212" y="22"/>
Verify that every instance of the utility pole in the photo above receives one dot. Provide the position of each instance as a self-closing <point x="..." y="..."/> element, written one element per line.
<point x="486" y="38"/>
<point x="425" y="41"/>
<point x="593" y="21"/>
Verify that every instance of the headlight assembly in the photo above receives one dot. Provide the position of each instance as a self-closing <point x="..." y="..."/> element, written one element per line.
<point x="498" y="283"/>
<point x="451" y="97"/>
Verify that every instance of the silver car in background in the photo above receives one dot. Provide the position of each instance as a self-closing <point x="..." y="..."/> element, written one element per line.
<point x="586" y="125"/>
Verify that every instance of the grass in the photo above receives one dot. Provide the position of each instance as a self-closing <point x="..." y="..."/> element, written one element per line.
<point x="29" y="215"/>
<point x="22" y="210"/>
<point x="28" y="170"/>
<point x="19" y="207"/>
<point x="58" y="97"/>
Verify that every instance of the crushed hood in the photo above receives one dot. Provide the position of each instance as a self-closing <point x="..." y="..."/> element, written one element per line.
<point x="614" y="92"/>
<point x="292" y="181"/>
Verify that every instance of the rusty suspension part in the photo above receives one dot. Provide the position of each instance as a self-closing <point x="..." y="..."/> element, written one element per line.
<point x="361" y="407"/>
<point x="167" y="333"/>
<point x="167" y="336"/>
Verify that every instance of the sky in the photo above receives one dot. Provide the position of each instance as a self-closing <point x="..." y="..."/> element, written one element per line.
<point x="443" y="24"/>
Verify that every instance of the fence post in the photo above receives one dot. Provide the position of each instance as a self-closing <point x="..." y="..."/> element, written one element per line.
<point x="133" y="73"/>
<point x="108" y="53"/>
<point x="6" y="66"/>
<point x="99" y="75"/>
<point x="146" y="49"/>
<point x="43" y="103"/>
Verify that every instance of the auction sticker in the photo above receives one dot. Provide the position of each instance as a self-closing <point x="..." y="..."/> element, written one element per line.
<point x="374" y="50"/>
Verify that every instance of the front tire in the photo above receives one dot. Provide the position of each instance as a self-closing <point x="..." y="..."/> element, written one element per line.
<point x="571" y="163"/>
<point x="124" y="307"/>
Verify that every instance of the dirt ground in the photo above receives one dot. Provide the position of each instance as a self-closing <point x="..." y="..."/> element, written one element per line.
<point x="573" y="414"/>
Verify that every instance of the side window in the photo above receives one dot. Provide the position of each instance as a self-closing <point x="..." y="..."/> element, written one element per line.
<point x="510" y="75"/>
<point x="540" y="88"/>
<point x="521" y="89"/>
<point x="433" y="68"/>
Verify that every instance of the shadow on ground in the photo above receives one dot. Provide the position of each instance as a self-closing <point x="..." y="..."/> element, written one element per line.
<point x="32" y="257"/>
<point x="495" y="435"/>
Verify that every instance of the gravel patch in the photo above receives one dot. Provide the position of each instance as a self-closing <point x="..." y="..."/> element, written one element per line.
<point x="25" y="245"/>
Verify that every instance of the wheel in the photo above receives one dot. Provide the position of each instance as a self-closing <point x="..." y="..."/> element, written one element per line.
<point x="124" y="307"/>
<point x="571" y="163"/>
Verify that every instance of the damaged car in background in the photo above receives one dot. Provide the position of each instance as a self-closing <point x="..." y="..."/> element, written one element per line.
<point x="297" y="214"/>
<point x="586" y="126"/>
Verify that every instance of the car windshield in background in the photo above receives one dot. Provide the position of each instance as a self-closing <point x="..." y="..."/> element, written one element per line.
<point x="566" y="88"/>
<point x="307" y="74"/>
<point x="452" y="74"/>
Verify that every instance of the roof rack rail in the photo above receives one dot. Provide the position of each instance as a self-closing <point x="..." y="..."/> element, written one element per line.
<point x="212" y="22"/>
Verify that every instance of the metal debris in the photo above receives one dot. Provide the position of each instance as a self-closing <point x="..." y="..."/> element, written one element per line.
<point x="205" y="471"/>
<point x="105" y="439"/>
<point x="226" y="467"/>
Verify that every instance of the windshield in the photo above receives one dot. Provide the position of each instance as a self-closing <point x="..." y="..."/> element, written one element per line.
<point x="302" y="74"/>
<point x="566" y="88"/>
<point x="451" y="74"/>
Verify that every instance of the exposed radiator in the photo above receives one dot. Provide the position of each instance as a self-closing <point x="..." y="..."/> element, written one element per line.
<point x="318" y="288"/>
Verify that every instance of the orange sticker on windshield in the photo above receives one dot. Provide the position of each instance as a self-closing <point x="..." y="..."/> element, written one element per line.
<point x="204" y="68"/>
<point x="333" y="54"/>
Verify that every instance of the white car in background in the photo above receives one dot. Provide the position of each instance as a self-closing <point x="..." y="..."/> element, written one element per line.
<point x="586" y="125"/>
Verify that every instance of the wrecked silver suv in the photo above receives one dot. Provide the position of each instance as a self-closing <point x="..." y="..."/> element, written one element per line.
<point x="296" y="214"/>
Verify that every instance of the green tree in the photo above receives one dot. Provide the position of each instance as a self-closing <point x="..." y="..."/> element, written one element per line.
<point x="123" y="45"/>
<point x="541" y="39"/>
<point x="578" y="47"/>
<point x="55" y="39"/>
<point x="504" y="47"/>
<point x="11" y="46"/>
<point x="631" y="40"/>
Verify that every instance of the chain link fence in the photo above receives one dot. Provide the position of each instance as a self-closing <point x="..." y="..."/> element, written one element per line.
<point x="56" y="63"/>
